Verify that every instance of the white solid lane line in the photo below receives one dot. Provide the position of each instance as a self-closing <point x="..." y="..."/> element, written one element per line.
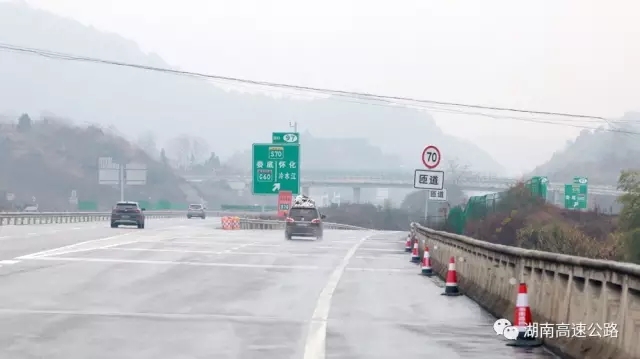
<point x="317" y="334"/>
<point x="67" y="248"/>
<point x="8" y="262"/>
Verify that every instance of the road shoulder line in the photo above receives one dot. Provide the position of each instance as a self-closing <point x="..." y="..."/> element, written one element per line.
<point x="315" y="345"/>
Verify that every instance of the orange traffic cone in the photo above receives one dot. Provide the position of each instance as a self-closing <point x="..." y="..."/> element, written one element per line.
<point x="415" y="254"/>
<point x="522" y="320"/>
<point x="407" y="245"/>
<point x="426" y="263"/>
<point x="451" y="284"/>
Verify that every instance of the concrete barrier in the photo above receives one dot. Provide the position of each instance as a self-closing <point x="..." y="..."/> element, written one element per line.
<point x="265" y="224"/>
<point x="562" y="290"/>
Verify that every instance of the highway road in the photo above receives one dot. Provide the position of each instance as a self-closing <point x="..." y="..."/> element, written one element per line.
<point x="185" y="289"/>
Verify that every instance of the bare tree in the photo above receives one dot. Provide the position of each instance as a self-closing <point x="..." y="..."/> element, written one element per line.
<point x="188" y="151"/>
<point x="199" y="150"/>
<point x="147" y="142"/>
<point x="457" y="171"/>
<point x="179" y="151"/>
<point x="213" y="161"/>
<point x="24" y="123"/>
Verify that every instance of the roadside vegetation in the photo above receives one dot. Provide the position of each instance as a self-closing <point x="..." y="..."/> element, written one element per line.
<point x="524" y="220"/>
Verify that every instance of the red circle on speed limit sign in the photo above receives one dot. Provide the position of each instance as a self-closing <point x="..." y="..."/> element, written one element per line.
<point x="431" y="157"/>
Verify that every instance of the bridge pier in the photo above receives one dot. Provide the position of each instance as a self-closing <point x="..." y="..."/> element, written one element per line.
<point x="356" y="194"/>
<point x="306" y="190"/>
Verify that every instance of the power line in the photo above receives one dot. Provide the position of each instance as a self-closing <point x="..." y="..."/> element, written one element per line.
<point x="557" y="121"/>
<point x="385" y="99"/>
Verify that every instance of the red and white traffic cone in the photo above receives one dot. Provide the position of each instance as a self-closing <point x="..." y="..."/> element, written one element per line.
<point x="415" y="254"/>
<point x="451" y="284"/>
<point x="522" y="320"/>
<point x="426" y="263"/>
<point x="407" y="245"/>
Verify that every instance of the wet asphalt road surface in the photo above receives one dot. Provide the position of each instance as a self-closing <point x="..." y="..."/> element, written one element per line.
<point x="184" y="289"/>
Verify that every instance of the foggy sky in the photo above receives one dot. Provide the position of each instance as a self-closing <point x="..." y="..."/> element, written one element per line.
<point x="568" y="56"/>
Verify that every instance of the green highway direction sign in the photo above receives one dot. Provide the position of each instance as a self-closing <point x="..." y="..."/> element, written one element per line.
<point x="575" y="195"/>
<point x="580" y="180"/>
<point x="285" y="137"/>
<point x="276" y="167"/>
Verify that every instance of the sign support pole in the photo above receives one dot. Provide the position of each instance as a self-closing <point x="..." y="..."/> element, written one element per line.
<point x="426" y="208"/>
<point x="121" y="182"/>
<point x="429" y="179"/>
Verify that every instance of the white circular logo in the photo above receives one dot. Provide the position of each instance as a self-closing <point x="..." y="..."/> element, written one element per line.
<point x="290" y="137"/>
<point x="582" y="181"/>
<point x="500" y="325"/>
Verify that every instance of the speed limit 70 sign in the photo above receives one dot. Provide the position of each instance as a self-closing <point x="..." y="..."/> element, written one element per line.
<point x="431" y="157"/>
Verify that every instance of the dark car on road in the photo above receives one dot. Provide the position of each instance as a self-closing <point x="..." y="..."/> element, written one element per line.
<point x="304" y="221"/>
<point x="127" y="214"/>
<point x="196" y="210"/>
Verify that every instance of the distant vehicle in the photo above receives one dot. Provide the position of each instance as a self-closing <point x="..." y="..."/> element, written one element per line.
<point x="30" y="209"/>
<point x="304" y="219"/>
<point x="128" y="214"/>
<point x="196" y="210"/>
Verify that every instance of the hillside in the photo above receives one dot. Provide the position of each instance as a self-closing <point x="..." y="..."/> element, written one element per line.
<point x="136" y="100"/>
<point x="599" y="155"/>
<point x="50" y="158"/>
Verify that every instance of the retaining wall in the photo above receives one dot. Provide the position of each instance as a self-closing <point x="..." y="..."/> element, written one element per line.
<point x="562" y="289"/>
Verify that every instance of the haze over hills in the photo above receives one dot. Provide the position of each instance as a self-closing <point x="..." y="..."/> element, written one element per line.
<point x="136" y="100"/>
<point x="49" y="159"/>
<point x="599" y="155"/>
<point x="338" y="154"/>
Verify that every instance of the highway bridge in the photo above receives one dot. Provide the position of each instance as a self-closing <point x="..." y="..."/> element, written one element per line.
<point x="472" y="182"/>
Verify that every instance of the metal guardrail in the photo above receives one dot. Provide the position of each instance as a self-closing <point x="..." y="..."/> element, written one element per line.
<point x="248" y="220"/>
<point x="26" y="218"/>
<point x="265" y="224"/>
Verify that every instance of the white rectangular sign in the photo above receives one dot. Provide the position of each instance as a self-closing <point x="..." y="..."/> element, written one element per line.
<point x="428" y="179"/>
<point x="135" y="174"/>
<point x="106" y="163"/>
<point x="108" y="172"/>
<point x="109" y="176"/>
<point x="438" y="195"/>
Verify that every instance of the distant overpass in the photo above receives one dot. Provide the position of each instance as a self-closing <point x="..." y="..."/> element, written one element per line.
<point x="473" y="182"/>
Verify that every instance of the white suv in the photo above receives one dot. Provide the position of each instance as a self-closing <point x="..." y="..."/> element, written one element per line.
<point x="196" y="210"/>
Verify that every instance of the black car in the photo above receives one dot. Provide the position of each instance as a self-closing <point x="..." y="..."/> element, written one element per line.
<point x="304" y="221"/>
<point x="127" y="213"/>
